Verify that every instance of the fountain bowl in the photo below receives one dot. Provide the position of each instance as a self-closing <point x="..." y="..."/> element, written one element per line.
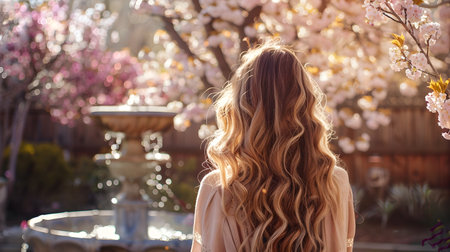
<point x="87" y="231"/>
<point x="134" y="120"/>
<point x="131" y="226"/>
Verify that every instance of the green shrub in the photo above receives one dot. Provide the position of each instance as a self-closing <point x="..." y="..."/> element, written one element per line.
<point x="420" y="203"/>
<point x="41" y="172"/>
<point x="385" y="209"/>
<point x="416" y="204"/>
<point x="46" y="182"/>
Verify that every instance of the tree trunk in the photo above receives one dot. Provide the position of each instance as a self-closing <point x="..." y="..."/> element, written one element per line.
<point x="4" y="130"/>
<point x="2" y="144"/>
<point x="17" y="128"/>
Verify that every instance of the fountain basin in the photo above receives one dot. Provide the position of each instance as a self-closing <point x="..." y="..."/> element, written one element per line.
<point x="134" y="119"/>
<point x="89" y="231"/>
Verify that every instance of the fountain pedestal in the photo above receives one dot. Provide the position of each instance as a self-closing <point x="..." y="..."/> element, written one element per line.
<point x="131" y="225"/>
<point x="131" y="205"/>
<point x="131" y="167"/>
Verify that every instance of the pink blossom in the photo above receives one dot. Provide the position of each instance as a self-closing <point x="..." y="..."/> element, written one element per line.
<point x="397" y="59"/>
<point x="413" y="73"/>
<point x="23" y="224"/>
<point x="400" y="6"/>
<point x="414" y="13"/>
<point x="419" y="60"/>
<point x="373" y="15"/>
<point x="430" y="32"/>
<point x="85" y="71"/>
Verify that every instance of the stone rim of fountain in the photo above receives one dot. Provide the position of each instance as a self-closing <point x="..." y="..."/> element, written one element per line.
<point x="138" y="238"/>
<point x="45" y="236"/>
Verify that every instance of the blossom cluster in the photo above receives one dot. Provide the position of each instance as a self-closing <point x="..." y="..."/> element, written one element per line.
<point x="417" y="20"/>
<point x="202" y="41"/>
<point x="61" y="58"/>
<point x="362" y="143"/>
<point x="439" y="102"/>
<point x="418" y="23"/>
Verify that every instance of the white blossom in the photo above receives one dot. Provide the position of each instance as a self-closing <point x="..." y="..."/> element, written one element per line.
<point x="175" y="106"/>
<point x="413" y="73"/>
<point x="397" y="59"/>
<point x="419" y="60"/>
<point x="435" y="101"/>
<point x="444" y="115"/>
<point x="363" y="142"/>
<point x="180" y="122"/>
<point x="354" y="122"/>
<point x="250" y="31"/>
<point x="373" y="15"/>
<point x="430" y="32"/>
<point x="414" y="13"/>
<point x="206" y="130"/>
<point x="346" y="145"/>
<point x="374" y="119"/>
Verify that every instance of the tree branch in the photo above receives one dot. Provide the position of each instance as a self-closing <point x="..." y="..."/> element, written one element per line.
<point x="323" y="5"/>
<point x="410" y="65"/>
<point x="175" y="36"/>
<point x="216" y="50"/>
<point x="249" y="20"/>
<point x="391" y="18"/>
<point x="170" y="28"/>
<point x="411" y="33"/>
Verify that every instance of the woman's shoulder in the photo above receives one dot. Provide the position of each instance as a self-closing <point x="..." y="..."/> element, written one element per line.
<point x="211" y="181"/>
<point x="340" y="174"/>
<point x="341" y="179"/>
<point x="212" y="178"/>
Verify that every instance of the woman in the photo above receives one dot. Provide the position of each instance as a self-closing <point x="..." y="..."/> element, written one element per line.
<point x="276" y="186"/>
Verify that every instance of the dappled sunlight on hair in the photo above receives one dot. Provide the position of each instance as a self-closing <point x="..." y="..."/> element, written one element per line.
<point x="272" y="152"/>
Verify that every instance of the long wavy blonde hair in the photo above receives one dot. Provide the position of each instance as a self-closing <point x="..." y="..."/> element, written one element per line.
<point x="272" y="152"/>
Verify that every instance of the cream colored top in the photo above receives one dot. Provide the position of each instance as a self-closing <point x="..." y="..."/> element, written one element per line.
<point x="216" y="232"/>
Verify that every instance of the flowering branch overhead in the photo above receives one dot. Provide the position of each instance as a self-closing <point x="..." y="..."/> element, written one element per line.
<point x="416" y="21"/>
<point x="341" y="55"/>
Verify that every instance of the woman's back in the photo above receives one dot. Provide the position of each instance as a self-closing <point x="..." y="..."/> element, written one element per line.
<point x="277" y="188"/>
<point x="214" y="230"/>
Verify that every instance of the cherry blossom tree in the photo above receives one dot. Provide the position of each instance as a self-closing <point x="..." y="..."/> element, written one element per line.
<point x="56" y="57"/>
<point x="202" y="41"/>
<point x="416" y="19"/>
<point x="348" y="56"/>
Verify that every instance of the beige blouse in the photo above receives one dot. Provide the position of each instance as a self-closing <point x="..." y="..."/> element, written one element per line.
<point x="216" y="232"/>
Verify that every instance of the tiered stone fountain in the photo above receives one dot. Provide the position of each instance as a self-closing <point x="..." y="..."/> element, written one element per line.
<point x="131" y="226"/>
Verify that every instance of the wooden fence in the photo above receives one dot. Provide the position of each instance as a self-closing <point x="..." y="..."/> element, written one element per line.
<point x="411" y="147"/>
<point x="433" y="169"/>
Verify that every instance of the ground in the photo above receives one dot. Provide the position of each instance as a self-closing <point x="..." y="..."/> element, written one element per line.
<point x="370" y="237"/>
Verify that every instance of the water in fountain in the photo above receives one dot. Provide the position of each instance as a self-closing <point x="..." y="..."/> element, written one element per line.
<point x="131" y="225"/>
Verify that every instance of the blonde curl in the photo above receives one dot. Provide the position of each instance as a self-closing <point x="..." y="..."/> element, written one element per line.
<point x="272" y="150"/>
